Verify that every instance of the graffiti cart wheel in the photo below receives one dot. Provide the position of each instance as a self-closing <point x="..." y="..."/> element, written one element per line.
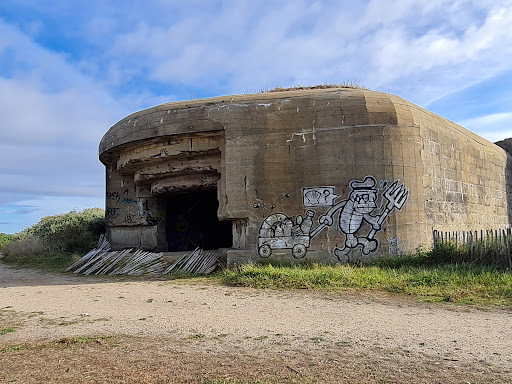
<point x="299" y="251"/>
<point x="265" y="251"/>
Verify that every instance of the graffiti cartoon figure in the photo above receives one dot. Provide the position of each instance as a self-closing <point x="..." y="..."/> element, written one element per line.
<point x="361" y="202"/>
<point x="359" y="206"/>
<point x="278" y="231"/>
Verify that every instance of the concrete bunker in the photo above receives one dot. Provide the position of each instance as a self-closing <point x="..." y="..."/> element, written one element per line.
<point x="162" y="194"/>
<point x="327" y="175"/>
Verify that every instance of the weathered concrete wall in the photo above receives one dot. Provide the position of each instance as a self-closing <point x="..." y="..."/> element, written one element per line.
<point x="138" y="175"/>
<point x="507" y="146"/>
<point x="373" y="172"/>
<point x="134" y="217"/>
<point x="300" y="142"/>
<point x="465" y="177"/>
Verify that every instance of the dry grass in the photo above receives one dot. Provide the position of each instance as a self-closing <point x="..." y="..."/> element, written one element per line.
<point x="30" y="245"/>
<point x="346" y="84"/>
<point x="124" y="359"/>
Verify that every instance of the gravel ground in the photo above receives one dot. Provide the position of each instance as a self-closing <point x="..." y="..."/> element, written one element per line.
<point x="48" y="306"/>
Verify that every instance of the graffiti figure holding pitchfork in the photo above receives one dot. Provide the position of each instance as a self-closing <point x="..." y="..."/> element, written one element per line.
<point x="358" y="207"/>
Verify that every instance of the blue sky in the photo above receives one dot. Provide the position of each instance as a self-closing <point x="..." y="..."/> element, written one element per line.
<point x="69" y="69"/>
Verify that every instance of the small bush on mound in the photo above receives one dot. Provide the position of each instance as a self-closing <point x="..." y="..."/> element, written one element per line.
<point x="55" y="241"/>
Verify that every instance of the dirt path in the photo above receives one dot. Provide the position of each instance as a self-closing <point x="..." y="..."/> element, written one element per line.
<point x="49" y="306"/>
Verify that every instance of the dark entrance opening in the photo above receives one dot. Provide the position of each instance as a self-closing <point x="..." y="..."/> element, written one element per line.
<point x="192" y="222"/>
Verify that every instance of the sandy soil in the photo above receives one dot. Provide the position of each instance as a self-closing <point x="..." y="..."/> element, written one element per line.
<point x="52" y="306"/>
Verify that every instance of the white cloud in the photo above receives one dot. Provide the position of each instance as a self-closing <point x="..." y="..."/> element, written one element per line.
<point x="71" y="116"/>
<point x="56" y="103"/>
<point x="383" y="44"/>
<point x="494" y="127"/>
<point x="53" y="117"/>
<point x="450" y="61"/>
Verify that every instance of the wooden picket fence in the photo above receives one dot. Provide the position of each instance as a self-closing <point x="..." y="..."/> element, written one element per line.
<point x="490" y="247"/>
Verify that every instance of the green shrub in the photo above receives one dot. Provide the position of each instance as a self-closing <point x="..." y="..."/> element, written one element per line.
<point x="56" y="240"/>
<point x="5" y="239"/>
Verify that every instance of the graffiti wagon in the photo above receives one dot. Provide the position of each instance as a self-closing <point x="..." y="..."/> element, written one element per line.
<point x="278" y="231"/>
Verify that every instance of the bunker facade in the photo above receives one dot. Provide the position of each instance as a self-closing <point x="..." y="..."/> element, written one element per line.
<point x="326" y="175"/>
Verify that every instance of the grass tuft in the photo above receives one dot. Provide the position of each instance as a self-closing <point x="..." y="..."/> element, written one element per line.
<point x="12" y="349"/>
<point x="197" y="336"/>
<point x="7" y="330"/>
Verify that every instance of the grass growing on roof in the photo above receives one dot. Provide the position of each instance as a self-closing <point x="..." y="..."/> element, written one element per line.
<point x="343" y="84"/>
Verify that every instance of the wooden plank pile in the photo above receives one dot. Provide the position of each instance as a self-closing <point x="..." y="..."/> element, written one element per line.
<point x="103" y="246"/>
<point x="103" y="261"/>
<point x="196" y="262"/>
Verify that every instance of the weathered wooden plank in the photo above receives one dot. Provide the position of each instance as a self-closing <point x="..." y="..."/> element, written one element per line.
<point x="82" y="260"/>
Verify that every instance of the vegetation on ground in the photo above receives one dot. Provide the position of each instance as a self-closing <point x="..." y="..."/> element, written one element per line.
<point x="414" y="275"/>
<point x="492" y="248"/>
<point x="56" y="241"/>
<point x="5" y="331"/>
<point x="99" y="359"/>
